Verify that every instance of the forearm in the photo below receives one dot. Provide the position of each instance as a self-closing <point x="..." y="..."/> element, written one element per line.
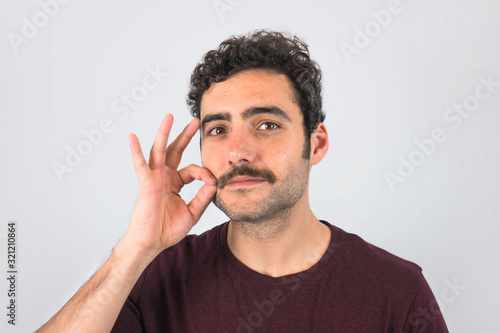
<point x="95" y="307"/>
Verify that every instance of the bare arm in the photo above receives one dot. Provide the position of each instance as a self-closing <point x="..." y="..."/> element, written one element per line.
<point x="160" y="219"/>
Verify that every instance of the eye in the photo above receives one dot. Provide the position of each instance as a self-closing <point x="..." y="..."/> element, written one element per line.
<point x="268" y="126"/>
<point x="217" y="131"/>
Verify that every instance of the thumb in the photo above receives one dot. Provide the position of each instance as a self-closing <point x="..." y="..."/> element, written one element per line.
<point x="201" y="201"/>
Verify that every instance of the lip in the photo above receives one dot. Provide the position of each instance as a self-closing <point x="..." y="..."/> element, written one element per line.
<point x="244" y="181"/>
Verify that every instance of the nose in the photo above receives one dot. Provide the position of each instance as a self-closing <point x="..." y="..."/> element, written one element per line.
<point x="241" y="150"/>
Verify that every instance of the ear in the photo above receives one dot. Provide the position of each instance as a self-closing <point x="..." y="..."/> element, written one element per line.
<point x="319" y="144"/>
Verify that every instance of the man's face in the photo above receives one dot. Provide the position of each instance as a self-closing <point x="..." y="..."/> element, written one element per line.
<point x="252" y="141"/>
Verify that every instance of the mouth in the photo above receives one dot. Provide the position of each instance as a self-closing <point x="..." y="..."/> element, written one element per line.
<point x="244" y="181"/>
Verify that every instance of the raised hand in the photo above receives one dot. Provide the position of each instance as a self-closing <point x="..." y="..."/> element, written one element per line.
<point x="161" y="218"/>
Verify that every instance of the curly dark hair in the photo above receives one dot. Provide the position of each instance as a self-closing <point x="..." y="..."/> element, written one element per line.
<point x="263" y="49"/>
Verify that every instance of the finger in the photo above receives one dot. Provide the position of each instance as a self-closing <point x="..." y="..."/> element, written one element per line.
<point x="176" y="148"/>
<point x="192" y="172"/>
<point x="140" y="165"/>
<point x="201" y="201"/>
<point x="158" y="150"/>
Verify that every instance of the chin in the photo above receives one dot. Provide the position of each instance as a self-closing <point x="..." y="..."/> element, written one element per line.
<point x="237" y="209"/>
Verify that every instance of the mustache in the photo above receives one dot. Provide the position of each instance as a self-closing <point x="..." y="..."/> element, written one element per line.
<point x="244" y="170"/>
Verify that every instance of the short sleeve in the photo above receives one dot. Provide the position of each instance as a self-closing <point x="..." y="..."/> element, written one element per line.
<point x="424" y="315"/>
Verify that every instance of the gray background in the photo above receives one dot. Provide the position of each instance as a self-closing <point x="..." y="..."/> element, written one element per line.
<point x="65" y="78"/>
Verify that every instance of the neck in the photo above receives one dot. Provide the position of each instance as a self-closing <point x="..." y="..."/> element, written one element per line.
<point x="287" y="244"/>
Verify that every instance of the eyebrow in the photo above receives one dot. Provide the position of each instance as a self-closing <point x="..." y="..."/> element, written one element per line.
<point x="266" y="110"/>
<point x="215" y="117"/>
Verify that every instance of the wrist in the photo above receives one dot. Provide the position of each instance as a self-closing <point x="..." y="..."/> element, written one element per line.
<point x="130" y="260"/>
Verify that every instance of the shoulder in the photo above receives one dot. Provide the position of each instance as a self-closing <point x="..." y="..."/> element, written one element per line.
<point x="192" y="247"/>
<point x="374" y="255"/>
<point x="189" y="256"/>
<point x="369" y="263"/>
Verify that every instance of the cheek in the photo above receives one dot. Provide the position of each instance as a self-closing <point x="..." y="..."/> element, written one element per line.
<point x="205" y="158"/>
<point x="210" y="159"/>
<point x="278" y="160"/>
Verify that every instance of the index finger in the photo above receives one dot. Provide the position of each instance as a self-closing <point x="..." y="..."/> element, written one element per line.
<point x="176" y="148"/>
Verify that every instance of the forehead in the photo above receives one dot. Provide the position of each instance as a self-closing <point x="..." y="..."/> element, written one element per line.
<point x="249" y="89"/>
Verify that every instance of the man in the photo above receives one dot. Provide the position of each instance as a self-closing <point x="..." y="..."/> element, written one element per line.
<point x="274" y="267"/>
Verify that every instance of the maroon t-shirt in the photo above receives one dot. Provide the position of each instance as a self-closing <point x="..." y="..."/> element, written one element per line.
<point x="199" y="286"/>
